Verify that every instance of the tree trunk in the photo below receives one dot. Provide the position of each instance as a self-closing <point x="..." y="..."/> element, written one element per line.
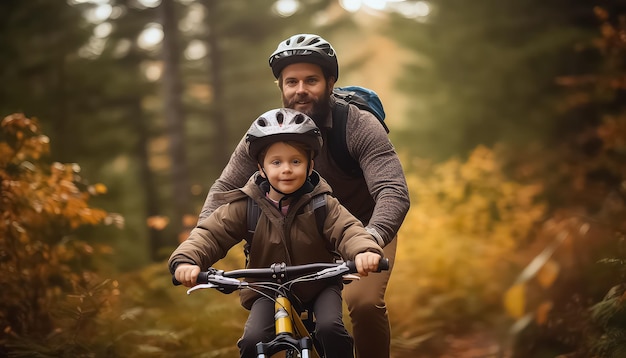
<point x="174" y="114"/>
<point x="218" y="115"/>
<point x="146" y="177"/>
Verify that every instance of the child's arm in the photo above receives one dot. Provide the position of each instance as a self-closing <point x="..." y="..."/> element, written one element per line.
<point x="211" y="239"/>
<point x="366" y="262"/>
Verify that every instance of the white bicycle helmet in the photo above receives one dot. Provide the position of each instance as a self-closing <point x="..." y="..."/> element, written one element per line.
<point x="282" y="124"/>
<point x="305" y="48"/>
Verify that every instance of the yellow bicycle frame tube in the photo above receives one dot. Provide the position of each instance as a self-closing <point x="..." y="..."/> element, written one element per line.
<point x="282" y="316"/>
<point x="285" y="317"/>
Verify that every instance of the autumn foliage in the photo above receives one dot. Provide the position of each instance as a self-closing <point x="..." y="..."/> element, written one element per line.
<point x="457" y="247"/>
<point x="571" y="295"/>
<point x="50" y="292"/>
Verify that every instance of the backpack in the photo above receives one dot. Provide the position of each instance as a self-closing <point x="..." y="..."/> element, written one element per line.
<point x="363" y="98"/>
<point x="318" y="202"/>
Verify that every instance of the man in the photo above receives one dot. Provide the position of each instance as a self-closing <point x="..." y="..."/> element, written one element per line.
<point x="306" y="70"/>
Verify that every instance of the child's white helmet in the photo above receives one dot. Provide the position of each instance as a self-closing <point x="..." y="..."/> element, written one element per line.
<point x="282" y="124"/>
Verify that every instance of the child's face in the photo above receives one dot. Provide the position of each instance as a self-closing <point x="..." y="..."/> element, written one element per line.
<point x="286" y="168"/>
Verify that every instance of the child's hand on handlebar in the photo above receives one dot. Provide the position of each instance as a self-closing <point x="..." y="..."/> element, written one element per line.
<point x="187" y="274"/>
<point x="367" y="262"/>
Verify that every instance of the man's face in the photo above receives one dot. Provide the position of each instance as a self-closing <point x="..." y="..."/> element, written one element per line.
<point x="305" y="89"/>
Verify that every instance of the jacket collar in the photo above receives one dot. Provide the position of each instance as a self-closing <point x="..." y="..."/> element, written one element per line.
<point x="253" y="189"/>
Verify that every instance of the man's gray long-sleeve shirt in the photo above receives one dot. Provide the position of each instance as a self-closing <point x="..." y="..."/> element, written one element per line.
<point x="380" y="198"/>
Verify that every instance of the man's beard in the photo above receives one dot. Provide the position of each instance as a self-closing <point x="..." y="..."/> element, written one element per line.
<point x="320" y="109"/>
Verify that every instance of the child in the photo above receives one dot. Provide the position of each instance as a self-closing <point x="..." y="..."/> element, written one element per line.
<point x="284" y="143"/>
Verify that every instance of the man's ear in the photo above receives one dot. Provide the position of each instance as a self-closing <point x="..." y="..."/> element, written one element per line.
<point x="311" y="167"/>
<point x="261" y="170"/>
<point x="279" y="82"/>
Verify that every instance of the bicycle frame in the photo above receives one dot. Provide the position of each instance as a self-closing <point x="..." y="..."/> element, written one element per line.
<point x="291" y="332"/>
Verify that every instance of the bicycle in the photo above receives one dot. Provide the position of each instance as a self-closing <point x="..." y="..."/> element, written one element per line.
<point x="294" y="328"/>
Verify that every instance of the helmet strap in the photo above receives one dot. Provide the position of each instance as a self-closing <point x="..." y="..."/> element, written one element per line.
<point x="285" y="196"/>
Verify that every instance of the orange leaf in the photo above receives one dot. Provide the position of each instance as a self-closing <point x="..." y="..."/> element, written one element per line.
<point x="548" y="273"/>
<point x="542" y="312"/>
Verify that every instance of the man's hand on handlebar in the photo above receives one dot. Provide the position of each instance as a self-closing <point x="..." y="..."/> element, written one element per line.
<point x="187" y="274"/>
<point x="367" y="262"/>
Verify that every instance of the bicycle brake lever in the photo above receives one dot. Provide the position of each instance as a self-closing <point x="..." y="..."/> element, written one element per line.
<point x="333" y="271"/>
<point x="200" y="287"/>
<point x="350" y="277"/>
<point x="220" y="283"/>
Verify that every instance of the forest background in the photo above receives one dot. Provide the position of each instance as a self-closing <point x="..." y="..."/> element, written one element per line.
<point x="509" y="117"/>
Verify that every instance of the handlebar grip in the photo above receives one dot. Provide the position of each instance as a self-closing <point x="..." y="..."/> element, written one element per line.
<point x="383" y="265"/>
<point x="203" y="277"/>
<point x="175" y="281"/>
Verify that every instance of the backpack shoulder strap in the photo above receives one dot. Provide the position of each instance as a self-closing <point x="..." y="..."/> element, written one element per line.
<point x="318" y="204"/>
<point x="252" y="218"/>
<point x="337" y="143"/>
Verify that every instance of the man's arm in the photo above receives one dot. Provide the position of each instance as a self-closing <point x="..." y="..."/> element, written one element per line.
<point x="370" y="145"/>
<point x="235" y="175"/>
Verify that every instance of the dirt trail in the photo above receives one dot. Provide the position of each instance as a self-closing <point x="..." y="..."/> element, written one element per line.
<point x="474" y="345"/>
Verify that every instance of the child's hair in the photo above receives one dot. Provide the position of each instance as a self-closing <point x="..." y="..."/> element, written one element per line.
<point x="305" y="148"/>
<point x="283" y="125"/>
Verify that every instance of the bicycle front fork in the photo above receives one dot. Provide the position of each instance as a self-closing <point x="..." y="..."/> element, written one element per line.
<point x="285" y="343"/>
<point x="284" y="339"/>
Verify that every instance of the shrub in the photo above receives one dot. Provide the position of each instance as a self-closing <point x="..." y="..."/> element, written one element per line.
<point x="50" y="293"/>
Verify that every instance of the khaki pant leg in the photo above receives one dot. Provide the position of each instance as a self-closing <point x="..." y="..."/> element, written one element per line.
<point x="366" y="304"/>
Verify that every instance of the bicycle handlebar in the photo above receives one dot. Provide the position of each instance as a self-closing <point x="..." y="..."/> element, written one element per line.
<point x="282" y="271"/>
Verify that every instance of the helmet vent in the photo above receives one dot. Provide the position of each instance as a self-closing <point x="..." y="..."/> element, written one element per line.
<point x="280" y="117"/>
<point x="299" y="119"/>
<point x="262" y="122"/>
